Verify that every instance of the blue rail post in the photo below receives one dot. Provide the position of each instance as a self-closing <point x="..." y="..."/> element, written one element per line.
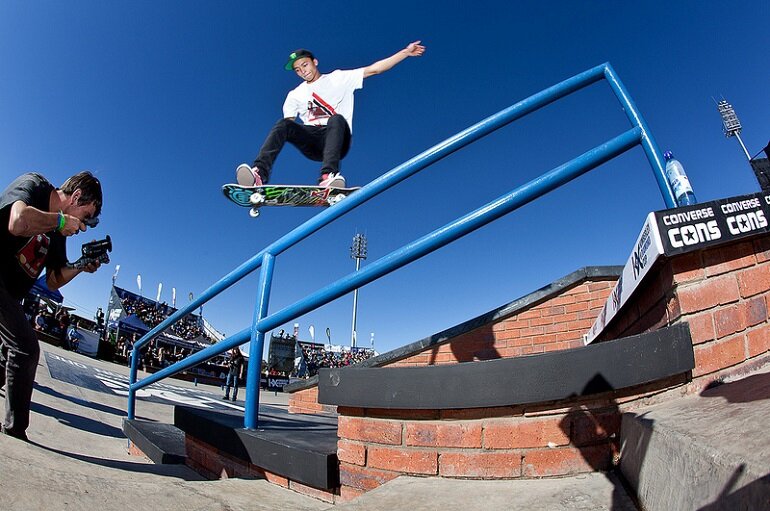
<point x="134" y="356"/>
<point x="647" y="142"/>
<point x="257" y="343"/>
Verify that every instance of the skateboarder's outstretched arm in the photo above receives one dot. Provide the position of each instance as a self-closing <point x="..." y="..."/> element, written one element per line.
<point x="414" y="49"/>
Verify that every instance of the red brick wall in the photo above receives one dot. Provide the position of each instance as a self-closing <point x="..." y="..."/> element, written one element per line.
<point x="722" y="293"/>
<point x="555" y="324"/>
<point x="306" y="401"/>
<point x="212" y="463"/>
<point x="376" y="446"/>
<point x="133" y="450"/>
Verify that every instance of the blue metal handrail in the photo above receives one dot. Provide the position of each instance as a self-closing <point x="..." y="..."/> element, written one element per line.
<point x="265" y="259"/>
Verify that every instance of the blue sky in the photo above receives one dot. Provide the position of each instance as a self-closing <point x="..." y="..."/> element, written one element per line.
<point x="162" y="100"/>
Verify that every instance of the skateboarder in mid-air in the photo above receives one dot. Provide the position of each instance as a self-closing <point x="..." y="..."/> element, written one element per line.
<point x="324" y="105"/>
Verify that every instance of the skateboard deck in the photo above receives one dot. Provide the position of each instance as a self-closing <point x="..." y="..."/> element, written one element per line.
<point x="255" y="197"/>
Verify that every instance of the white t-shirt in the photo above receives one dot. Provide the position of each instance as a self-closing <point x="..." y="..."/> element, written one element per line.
<point x="331" y="94"/>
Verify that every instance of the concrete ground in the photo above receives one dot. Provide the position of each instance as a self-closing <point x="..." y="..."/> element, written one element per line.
<point x="77" y="459"/>
<point x="594" y="492"/>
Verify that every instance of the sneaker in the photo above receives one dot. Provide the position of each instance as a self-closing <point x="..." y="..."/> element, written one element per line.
<point x="226" y="398"/>
<point x="332" y="180"/>
<point x="248" y="176"/>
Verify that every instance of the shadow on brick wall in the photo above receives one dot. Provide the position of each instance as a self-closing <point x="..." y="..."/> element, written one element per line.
<point x="595" y="434"/>
<point x="473" y="346"/>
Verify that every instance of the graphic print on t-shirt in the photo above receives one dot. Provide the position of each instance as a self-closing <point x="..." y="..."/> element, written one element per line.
<point x="318" y="110"/>
<point x="31" y="257"/>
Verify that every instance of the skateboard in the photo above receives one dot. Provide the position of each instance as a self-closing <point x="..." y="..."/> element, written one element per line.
<point x="255" y="197"/>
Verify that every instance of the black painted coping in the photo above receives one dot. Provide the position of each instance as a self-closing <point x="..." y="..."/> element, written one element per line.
<point x="302" y="448"/>
<point x="592" y="369"/>
<point x="525" y="302"/>
<point x="162" y="443"/>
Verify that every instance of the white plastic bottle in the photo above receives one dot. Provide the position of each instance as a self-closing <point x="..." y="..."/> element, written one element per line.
<point x="678" y="181"/>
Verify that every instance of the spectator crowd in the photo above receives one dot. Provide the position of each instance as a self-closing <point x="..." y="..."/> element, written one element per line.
<point x="161" y="353"/>
<point x="152" y="314"/>
<point x="55" y="324"/>
<point x="317" y="356"/>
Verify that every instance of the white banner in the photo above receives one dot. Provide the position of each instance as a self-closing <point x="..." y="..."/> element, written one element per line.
<point x="646" y="251"/>
<point x="160" y="286"/>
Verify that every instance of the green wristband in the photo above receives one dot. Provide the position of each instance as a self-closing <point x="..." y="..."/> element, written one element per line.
<point x="62" y="222"/>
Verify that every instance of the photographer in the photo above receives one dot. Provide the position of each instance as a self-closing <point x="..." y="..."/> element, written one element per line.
<point x="235" y="365"/>
<point x="35" y="218"/>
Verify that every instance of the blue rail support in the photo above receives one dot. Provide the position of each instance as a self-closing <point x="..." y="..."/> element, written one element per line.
<point x="257" y="344"/>
<point x="265" y="259"/>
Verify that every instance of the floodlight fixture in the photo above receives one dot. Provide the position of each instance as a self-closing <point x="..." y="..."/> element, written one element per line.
<point x="357" y="252"/>
<point x="731" y="124"/>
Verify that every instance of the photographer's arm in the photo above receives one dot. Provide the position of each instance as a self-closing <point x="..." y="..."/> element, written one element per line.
<point x="25" y="220"/>
<point x="61" y="276"/>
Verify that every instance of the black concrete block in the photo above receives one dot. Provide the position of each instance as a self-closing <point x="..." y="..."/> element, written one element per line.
<point x="592" y="369"/>
<point x="162" y="443"/>
<point x="300" y="447"/>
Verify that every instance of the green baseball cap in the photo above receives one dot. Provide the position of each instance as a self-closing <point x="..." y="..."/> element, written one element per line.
<point x="295" y="55"/>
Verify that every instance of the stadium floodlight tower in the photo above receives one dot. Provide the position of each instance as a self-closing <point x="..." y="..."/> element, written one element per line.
<point x="731" y="125"/>
<point x="357" y="252"/>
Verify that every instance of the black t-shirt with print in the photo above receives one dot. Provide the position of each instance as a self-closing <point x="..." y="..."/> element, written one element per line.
<point x="22" y="258"/>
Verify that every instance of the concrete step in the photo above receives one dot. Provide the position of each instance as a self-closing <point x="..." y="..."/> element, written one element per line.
<point x="595" y="492"/>
<point x="705" y="452"/>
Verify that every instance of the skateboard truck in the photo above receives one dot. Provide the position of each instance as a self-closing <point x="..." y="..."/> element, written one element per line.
<point x="257" y="200"/>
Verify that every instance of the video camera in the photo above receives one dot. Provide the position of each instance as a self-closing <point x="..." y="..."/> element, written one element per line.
<point x="92" y="252"/>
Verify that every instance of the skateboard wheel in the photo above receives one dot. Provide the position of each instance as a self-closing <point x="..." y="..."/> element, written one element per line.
<point x="254" y="212"/>
<point x="334" y="199"/>
<point x="256" y="198"/>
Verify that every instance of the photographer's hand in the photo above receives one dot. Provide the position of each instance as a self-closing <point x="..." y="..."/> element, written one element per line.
<point x="92" y="266"/>
<point x="72" y="225"/>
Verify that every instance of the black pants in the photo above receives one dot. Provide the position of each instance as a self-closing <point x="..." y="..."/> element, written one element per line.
<point x="327" y="144"/>
<point x="19" y="354"/>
